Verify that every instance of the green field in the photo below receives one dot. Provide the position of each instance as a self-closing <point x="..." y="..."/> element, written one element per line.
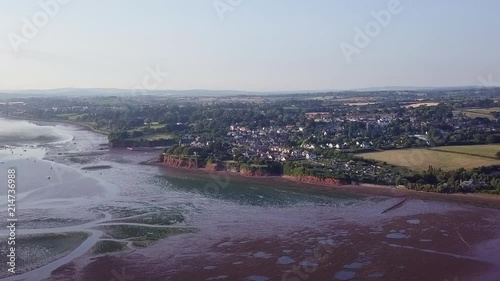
<point x="157" y="126"/>
<point x="155" y="137"/>
<point x="65" y="115"/>
<point x="487" y="150"/>
<point x="419" y="159"/>
<point x="70" y="116"/>
<point x="480" y="112"/>
<point x="76" y="116"/>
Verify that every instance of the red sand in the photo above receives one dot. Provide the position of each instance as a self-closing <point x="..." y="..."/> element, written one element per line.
<point x="461" y="244"/>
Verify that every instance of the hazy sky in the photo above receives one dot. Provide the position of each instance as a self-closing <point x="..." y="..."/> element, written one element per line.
<point x="248" y="44"/>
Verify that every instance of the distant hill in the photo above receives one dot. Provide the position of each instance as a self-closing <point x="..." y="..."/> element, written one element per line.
<point x="199" y="92"/>
<point x="402" y="88"/>
<point x="125" y="92"/>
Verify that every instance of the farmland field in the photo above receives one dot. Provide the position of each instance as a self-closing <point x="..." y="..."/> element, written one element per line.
<point x="415" y="105"/>
<point x="487" y="150"/>
<point x="70" y="116"/>
<point x="360" y="103"/>
<point x="480" y="112"/>
<point x="155" y="137"/>
<point x="75" y="117"/>
<point x="156" y="126"/>
<point x="419" y="159"/>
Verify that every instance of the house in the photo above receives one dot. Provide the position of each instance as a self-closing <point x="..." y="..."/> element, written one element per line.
<point x="472" y="184"/>
<point x="318" y="115"/>
<point x="310" y="156"/>
<point x="365" y="145"/>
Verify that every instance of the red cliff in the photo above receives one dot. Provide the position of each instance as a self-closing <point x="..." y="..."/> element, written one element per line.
<point x="179" y="162"/>
<point x="254" y="173"/>
<point x="315" y="180"/>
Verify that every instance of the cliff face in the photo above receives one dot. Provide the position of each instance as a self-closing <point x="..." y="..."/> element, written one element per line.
<point x="315" y="180"/>
<point x="179" y="162"/>
<point x="254" y="173"/>
<point x="215" y="167"/>
<point x="174" y="161"/>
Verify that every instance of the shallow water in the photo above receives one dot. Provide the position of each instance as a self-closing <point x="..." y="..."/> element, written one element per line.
<point x="19" y="133"/>
<point x="345" y="275"/>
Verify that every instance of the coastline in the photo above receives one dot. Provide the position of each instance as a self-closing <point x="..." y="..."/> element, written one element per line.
<point x="477" y="199"/>
<point x="84" y="125"/>
<point x="299" y="229"/>
<point x="480" y="200"/>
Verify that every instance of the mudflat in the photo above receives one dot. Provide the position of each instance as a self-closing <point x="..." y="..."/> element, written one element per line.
<point x="417" y="241"/>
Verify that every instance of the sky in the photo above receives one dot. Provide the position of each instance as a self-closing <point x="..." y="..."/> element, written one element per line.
<point x="254" y="45"/>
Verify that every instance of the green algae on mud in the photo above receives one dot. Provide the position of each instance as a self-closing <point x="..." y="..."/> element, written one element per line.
<point x="108" y="246"/>
<point x="148" y="215"/>
<point x="125" y="212"/>
<point x="159" y="218"/>
<point x="37" y="250"/>
<point x="143" y="233"/>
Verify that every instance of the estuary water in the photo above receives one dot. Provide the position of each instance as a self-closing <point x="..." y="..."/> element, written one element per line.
<point x="89" y="213"/>
<point x="61" y="190"/>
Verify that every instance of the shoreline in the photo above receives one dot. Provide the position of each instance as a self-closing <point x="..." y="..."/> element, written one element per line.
<point x="293" y="228"/>
<point x="477" y="199"/>
<point x="84" y="125"/>
<point x="480" y="200"/>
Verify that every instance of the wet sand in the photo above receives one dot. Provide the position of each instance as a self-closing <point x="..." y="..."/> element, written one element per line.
<point x="410" y="243"/>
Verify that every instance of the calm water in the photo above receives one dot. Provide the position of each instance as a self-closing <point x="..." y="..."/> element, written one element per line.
<point x="18" y="133"/>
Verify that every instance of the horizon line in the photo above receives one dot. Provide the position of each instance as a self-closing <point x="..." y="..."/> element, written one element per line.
<point x="252" y="91"/>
